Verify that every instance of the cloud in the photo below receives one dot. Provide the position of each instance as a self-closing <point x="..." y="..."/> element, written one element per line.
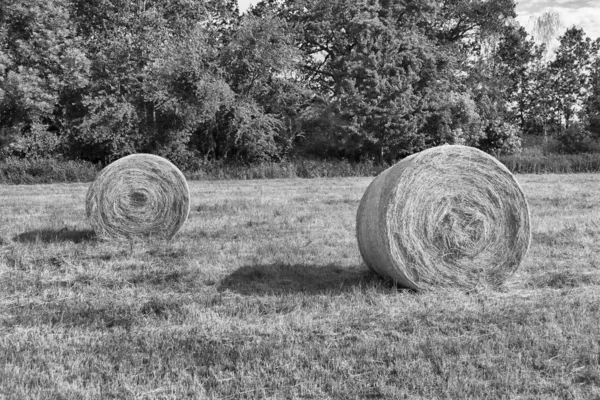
<point x="581" y="13"/>
<point x="244" y="4"/>
<point x="536" y="5"/>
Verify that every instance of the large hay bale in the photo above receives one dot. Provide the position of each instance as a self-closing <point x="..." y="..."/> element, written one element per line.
<point x="447" y="216"/>
<point x="138" y="196"/>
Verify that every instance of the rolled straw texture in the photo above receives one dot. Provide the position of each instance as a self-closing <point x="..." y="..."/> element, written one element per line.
<point x="137" y="196"/>
<point x="450" y="216"/>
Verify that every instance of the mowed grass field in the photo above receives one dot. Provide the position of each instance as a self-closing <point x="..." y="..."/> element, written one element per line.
<point x="263" y="295"/>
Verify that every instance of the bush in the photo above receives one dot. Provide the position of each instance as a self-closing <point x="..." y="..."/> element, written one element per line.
<point x="576" y="139"/>
<point x="539" y="145"/>
<point x="500" y="138"/>
<point x="35" y="143"/>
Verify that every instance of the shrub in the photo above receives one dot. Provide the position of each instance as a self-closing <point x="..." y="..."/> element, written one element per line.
<point x="539" y="145"/>
<point x="500" y="138"/>
<point x="576" y="139"/>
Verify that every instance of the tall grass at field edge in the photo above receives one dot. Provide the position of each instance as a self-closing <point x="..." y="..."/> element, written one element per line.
<point x="300" y="168"/>
<point x="552" y="163"/>
<point x="38" y="171"/>
<point x="35" y="171"/>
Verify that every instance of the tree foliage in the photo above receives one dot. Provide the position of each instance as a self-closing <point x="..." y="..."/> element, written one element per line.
<point x="569" y="73"/>
<point x="197" y="81"/>
<point x="591" y="111"/>
<point x="390" y="72"/>
<point x="545" y="30"/>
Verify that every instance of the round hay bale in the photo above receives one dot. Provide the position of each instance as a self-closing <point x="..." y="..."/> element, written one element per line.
<point x="447" y="216"/>
<point x="138" y="196"/>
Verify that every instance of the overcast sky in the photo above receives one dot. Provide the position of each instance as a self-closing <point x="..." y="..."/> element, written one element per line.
<point x="583" y="13"/>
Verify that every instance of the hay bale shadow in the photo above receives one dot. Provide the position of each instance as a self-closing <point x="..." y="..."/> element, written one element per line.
<point x="56" y="236"/>
<point x="278" y="279"/>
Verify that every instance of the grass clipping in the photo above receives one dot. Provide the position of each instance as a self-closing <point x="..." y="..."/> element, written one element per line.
<point x="138" y="196"/>
<point x="447" y="216"/>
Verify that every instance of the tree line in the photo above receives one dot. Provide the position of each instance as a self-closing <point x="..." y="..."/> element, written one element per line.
<point x="195" y="81"/>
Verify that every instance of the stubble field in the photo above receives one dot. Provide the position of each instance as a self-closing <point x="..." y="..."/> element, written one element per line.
<point x="263" y="295"/>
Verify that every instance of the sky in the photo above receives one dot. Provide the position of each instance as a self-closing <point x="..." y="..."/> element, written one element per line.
<point x="243" y="4"/>
<point x="582" y="13"/>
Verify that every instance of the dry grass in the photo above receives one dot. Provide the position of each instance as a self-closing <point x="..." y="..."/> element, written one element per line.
<point x="263" y="295"/>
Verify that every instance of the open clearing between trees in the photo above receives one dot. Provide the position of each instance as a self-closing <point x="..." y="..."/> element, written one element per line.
<point x="263" y="295"/>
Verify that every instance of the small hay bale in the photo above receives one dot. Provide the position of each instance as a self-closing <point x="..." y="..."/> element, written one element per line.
<point x="447" y="216"/>
<point x="138" y="196"/>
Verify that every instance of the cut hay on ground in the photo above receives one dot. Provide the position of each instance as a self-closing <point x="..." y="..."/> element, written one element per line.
<point x="138" y="196"/>
<point x="447" y="216"/>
